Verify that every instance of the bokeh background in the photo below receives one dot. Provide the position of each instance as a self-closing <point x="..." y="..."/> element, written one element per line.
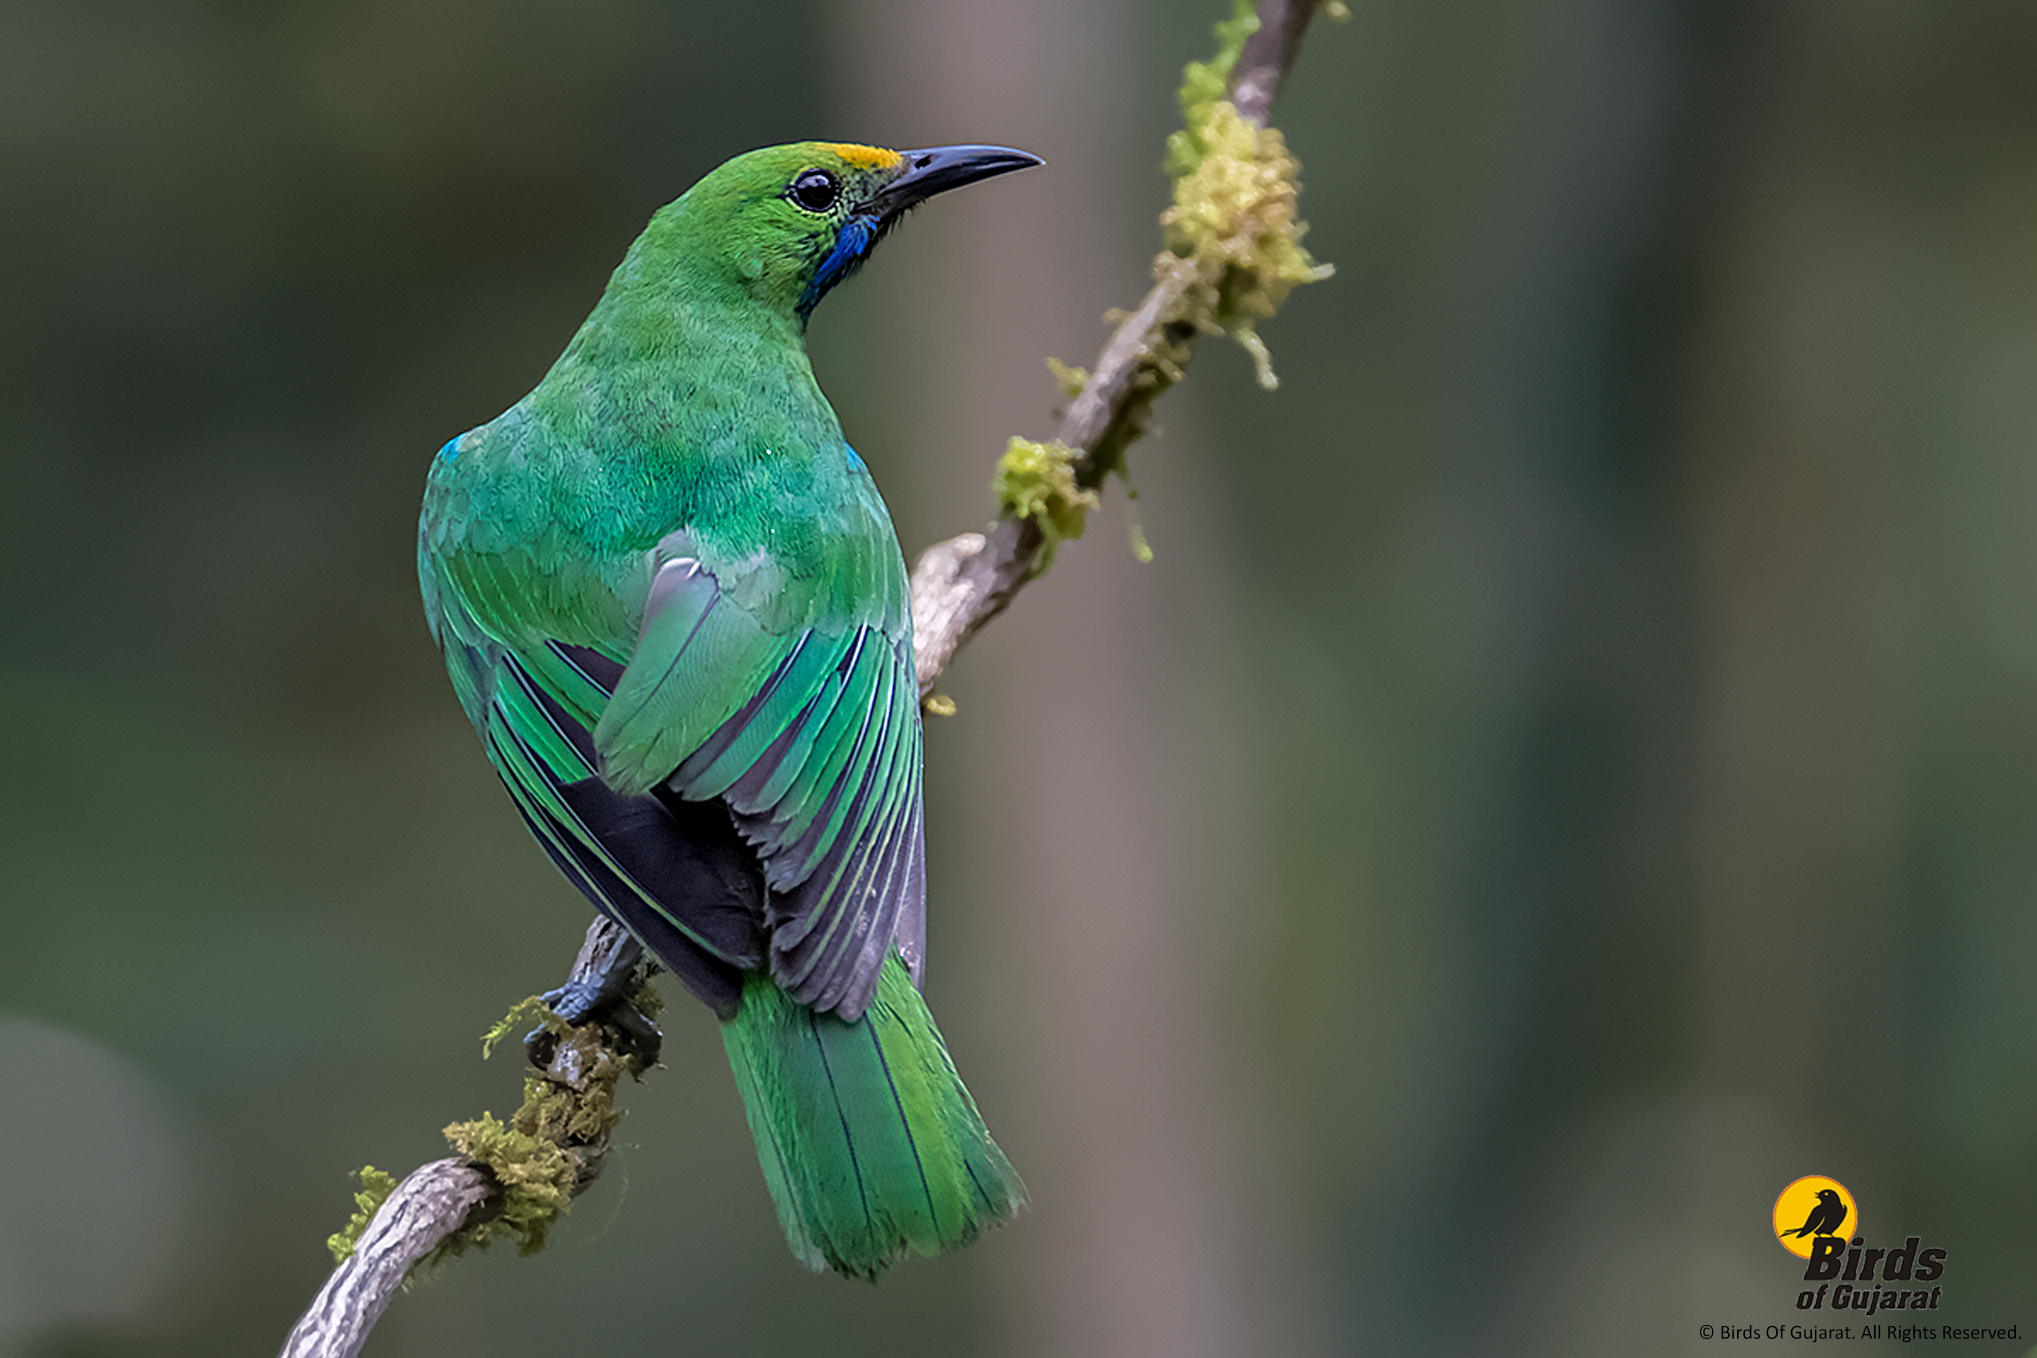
<point x="1569" y="769"/>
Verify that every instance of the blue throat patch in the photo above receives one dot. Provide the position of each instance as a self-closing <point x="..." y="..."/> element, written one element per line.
<point x="852" y="245"/>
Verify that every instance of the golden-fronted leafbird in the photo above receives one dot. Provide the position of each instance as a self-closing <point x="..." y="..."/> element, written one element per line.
<point x="673" y="605"/>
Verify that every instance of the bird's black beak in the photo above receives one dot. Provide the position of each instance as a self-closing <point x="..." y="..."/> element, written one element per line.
<point x="940" y="168"/>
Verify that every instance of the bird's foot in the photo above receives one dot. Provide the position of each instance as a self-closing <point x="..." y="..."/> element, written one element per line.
<point x="608" y="979"/>
<point x="578" y="998"/>
<point x="576" y="1004"/>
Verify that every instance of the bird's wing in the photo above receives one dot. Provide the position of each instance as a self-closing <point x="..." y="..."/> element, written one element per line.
<point x="804" y="718"/>
<point x="689" y="892"/>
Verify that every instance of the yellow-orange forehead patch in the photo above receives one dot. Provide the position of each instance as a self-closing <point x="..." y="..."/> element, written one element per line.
<point x="863" y="157"/>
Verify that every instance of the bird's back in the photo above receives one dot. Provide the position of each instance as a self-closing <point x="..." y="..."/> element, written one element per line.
<point x="673" y="606"/>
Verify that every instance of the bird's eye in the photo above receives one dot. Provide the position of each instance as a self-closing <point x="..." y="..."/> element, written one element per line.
<point x="815" y="190"/>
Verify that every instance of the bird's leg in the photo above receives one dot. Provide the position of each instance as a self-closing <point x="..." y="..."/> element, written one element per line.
<point x="607" y="976"/>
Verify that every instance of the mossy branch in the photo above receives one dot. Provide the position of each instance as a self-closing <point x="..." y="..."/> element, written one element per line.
<point x="1233" y="254"/>
<point x="512" y="1177"/>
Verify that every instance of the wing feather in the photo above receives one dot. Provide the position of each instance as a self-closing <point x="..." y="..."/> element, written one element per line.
<point x="782" y="703"/>
<point x="781" y="708"/>
<point x="676" y="875"/>
<point x="814" y="743"/>
<point x="765" y="789"/>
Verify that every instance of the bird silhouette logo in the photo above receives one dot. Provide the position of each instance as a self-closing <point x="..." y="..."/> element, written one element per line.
<point x="1812" y="1206"/>
<point x="1825" y="1218"/>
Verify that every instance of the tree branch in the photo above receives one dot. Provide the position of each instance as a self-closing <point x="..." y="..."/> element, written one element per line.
<point x="441" y="1200"/>
<point x="1269" y="55"/>
<point x="957" y="586"/>
<point x="430" y="1205"/>
<point x="962" y="583"/>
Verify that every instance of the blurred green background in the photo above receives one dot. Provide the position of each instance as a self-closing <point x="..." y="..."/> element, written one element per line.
<point x="1569" y="770"/>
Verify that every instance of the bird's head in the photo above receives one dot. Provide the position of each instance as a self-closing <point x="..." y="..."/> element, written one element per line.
<point x="786" y="223"/>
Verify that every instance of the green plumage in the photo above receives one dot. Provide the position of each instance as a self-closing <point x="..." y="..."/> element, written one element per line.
<point x="672" y="604"/>
<point x="891" y="1154"/>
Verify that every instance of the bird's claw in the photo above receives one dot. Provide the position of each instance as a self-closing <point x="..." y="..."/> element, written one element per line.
<point x="580" y="1002"/>
<point x="576" y="999"/>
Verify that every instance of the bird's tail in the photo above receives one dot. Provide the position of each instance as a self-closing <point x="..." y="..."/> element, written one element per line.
<point x="869" y="1142"/>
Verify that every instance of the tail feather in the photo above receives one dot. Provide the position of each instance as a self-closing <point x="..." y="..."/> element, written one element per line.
<point x="870" y="1144"/>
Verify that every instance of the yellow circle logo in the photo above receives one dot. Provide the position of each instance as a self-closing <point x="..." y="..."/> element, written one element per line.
<point x="1813" y="1206"/>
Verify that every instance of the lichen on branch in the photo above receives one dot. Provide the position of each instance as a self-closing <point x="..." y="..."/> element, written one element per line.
<point x="1234" y="210"/>
<point x="376" y="1186"/>
<point x="543" y="1154"/>
<point x="1233" y="255"/>
<point x="1036" y="481"/>
<point x="552" y="1146"/>
<point x="535" y="1173"/>
<point x="1204" y="85"/>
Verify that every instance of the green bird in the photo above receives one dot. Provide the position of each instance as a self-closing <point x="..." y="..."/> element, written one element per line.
<point x="673" y="605"/>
